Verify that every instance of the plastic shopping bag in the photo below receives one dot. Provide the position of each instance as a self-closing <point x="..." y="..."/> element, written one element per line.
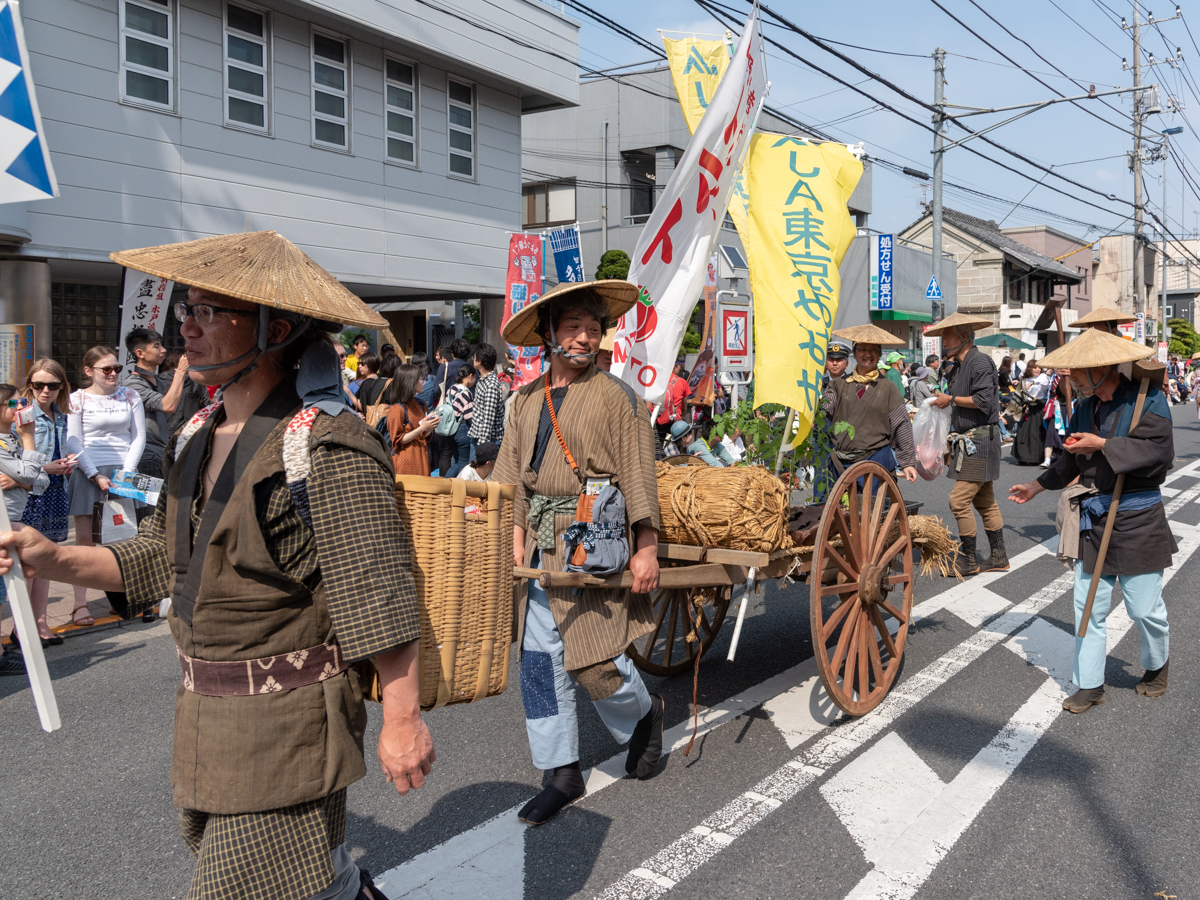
<point x="931" y="428"/>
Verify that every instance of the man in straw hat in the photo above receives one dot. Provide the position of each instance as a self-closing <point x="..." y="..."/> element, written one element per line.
<point x="258" y="541"/>
<point x="869" y="419"/>
<point x="1108" y="451"/>
<point x="975" y="441"/>
<point x="572" y="435"/>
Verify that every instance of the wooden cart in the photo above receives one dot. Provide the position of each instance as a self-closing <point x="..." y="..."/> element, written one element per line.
<point x="860" y="575"/>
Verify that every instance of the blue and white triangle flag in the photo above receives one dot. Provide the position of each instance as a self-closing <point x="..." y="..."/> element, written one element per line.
<point x="25" y="169"/>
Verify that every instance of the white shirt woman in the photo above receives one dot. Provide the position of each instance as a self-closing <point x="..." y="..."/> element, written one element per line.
<point x="106" y="431"/>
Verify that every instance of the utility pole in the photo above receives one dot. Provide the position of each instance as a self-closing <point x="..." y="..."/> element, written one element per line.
<point x="939" y="123"/>
<point x="1141" y="109"/>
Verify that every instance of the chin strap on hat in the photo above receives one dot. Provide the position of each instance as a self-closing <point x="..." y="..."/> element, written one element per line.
<point x="261" y="347"/>
<point x="557" y="349"/>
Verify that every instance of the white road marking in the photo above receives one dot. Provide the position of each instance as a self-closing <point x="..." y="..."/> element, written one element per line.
<point x="487" y="861"/>
<point x="901" y="870"/>
<point x="803" y="711"/>
<point x="880" y="794"/>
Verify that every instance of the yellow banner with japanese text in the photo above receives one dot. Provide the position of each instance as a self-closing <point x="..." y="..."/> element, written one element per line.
<point x="696" y="70"/>
<point x="798" y="231"/>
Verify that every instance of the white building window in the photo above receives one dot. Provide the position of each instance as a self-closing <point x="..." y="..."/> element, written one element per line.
<point x="246" y="64"/>
<point x="462" y="129"/>
<point x="148" y="53"/>
<point x="547" y="204"/>
<point x="331" y="91"/>
<point x="400" y="101"/>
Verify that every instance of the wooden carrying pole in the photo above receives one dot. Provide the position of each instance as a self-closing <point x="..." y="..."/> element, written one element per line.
<point x="31" y="644"/>
<point x="1098" y="569"/>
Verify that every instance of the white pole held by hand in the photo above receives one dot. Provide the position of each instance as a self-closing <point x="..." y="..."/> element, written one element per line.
<point x="31" y="644"/>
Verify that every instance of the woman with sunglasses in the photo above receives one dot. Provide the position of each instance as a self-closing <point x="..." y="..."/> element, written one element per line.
<point x="106" y="431"/>
<point x="47" y="388"/>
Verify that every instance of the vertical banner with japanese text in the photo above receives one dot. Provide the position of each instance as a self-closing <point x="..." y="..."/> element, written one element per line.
<point x="799" y="230"/>
<point x="696" y="69"/>
<point x="672" y="253"/>
<point x="705" y="369"/>
<point x="568" y="257"/>
<point x="145" y="300"/>
<point x="523" y="285"/>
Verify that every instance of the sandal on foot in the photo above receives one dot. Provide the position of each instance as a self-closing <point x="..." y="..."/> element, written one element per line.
<point x="1084" y="699"/>
<point x="1154" y="682"/>
<point x="565" y="787"/>
<point x="83" y="621"/>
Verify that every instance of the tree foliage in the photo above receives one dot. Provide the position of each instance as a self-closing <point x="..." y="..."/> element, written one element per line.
<point x="1184" y="340"/>
<point x="613" y="264"/>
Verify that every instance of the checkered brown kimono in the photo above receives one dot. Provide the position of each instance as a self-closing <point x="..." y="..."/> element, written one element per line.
<point x="261" y="780"/>
<point x="608" y="431"/>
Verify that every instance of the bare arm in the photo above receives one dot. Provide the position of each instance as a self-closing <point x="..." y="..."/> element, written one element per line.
<point x="93" y="567"/>
<point x="405" y="751"/>
<point x="170" y="400"/>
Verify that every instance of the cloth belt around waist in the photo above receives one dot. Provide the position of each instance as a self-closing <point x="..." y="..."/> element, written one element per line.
<point x="266" y="675"/>
<point x="1097" y="505"/>
<point x="542" y="510"/>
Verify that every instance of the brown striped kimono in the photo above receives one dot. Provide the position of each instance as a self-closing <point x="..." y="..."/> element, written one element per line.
<point x="607" y="429"/>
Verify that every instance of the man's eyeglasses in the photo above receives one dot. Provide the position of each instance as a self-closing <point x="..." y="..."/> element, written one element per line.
<point x="46" y="385"/>
<point x="109" y="370"/>
<point x="202" y="312"/>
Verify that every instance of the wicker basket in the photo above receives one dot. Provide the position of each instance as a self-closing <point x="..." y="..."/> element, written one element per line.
<point x="462" y="562"/>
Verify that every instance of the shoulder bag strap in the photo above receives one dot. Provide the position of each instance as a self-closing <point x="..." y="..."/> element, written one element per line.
<point x="558" y="433"/>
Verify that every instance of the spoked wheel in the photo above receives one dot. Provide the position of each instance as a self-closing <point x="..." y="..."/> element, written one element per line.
<point x="861" y="582"/>
<point x="666" y="650"/>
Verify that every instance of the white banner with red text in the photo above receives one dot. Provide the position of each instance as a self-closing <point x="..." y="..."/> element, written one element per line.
<point x="671" y="258"/>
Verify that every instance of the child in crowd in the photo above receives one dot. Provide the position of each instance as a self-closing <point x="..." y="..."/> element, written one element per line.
<point x="20" y="470"/>
<point x="485" y="461"/>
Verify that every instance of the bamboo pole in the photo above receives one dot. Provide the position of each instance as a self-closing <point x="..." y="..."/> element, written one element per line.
<point x="1098" y="569"/>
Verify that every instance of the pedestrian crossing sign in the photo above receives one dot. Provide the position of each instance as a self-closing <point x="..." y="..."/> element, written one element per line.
<point x="933" y="292"/>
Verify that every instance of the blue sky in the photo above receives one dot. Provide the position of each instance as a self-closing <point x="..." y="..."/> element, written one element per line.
<point x="1062" y="136"/>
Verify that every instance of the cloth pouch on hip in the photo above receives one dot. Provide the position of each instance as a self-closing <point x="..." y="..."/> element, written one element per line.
<point x="599" y="546"/>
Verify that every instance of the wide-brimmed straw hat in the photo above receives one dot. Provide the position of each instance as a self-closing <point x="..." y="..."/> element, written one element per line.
<point x="260" y="267"/>
<point x="958" y="320"/>
<point x="869" y="334"/>
<point x="610" y="338"/>
<point x="1095" y="348"/>
<point x="1103" y="315"/>
<point x="619" y="295"/>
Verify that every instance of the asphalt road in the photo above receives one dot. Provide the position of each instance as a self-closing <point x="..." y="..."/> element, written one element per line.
<point x="967" y="782"/>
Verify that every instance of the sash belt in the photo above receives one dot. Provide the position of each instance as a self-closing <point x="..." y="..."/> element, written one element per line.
<point x="265" y="675"/>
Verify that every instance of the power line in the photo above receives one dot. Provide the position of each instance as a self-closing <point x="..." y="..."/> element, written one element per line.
<point x="1085" y="31"/>
<point x="714" y="8"/>
<point x="1027" y="72"/>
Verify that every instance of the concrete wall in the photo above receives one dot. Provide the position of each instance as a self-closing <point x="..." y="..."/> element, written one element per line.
<point x="134" y="177"/>
<point x="979" y="268"/>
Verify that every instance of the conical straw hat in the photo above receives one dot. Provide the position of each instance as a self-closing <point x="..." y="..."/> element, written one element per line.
<point x="1103" y="315"/>
<point x="956" y="320"/>
<point x="610" y="338"/>
<point x="1196" y="355"/>
<point x="259" y="267"/>
<point x="618" y="294"/>
<point x="869" y="334"/>
<point x="1094" y="348"/>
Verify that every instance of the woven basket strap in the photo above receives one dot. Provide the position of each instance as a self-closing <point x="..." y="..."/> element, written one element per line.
<point x="558" y="433"/>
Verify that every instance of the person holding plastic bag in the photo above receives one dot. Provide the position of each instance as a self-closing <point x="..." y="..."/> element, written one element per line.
<point x="931" y="428"/>
<point x="106" y="431"/>
<point x="868" y="414"/>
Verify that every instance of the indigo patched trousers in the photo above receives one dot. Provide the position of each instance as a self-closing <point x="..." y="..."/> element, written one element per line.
<point x="1143" y="602"/>
<point x="549" y="691"/>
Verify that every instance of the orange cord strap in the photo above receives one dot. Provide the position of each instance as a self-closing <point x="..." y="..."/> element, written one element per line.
<point x="558" y="432"/>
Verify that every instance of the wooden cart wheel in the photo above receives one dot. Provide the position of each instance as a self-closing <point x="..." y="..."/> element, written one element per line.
<point x="852" y="588"/>
<point x="666" y="650"/>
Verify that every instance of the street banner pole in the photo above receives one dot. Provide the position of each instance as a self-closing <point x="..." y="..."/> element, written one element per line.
<point x="31" y="644"/>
